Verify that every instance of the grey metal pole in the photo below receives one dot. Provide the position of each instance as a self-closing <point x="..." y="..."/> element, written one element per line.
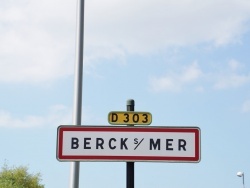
<point x="243" y="180"/>
<point x="77" y="108"/>
<point x="130" y="165"/>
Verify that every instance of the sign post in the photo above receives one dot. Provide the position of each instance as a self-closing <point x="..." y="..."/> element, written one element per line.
<point x="130" y="165"/>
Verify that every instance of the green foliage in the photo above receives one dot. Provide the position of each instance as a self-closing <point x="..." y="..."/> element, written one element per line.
<point x="18" y="177"/>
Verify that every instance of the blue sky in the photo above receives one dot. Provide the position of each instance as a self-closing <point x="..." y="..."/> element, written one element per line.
<point x="186" y="62"/>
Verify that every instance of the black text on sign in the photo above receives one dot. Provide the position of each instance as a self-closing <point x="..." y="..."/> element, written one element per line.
<point x="129" y="118"/>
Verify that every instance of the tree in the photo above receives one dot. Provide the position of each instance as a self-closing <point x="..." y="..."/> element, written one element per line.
<point x="18" y="177"/>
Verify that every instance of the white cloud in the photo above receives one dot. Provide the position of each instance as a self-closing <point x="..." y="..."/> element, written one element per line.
<point x="57" y="115"/>
<point x="37" y="40"/>
<point x="231" y="81"/>
<point x="234" y="65"/>
<point x="38" y="37"/>
<point x="175" y="81"/>
<point x="231" y="76"/>
<point x="147" y="26"/>
<point x="246" y="106"/>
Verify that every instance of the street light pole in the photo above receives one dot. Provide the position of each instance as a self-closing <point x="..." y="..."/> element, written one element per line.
<point x="77" y="108"/>
<point x="241" y="174"/>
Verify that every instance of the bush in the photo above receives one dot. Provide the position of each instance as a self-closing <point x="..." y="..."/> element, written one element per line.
<point x="18" y="177"/>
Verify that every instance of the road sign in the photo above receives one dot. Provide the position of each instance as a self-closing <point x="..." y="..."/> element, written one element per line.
<point x="105" y="143"/>
<point x="129" y="118"/>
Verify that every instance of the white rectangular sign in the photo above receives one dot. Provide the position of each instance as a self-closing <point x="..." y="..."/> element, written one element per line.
<point x="105" y="143"/>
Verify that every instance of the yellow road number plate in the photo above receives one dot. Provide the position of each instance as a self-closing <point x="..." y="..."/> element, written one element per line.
<point x="129" y="118"/>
